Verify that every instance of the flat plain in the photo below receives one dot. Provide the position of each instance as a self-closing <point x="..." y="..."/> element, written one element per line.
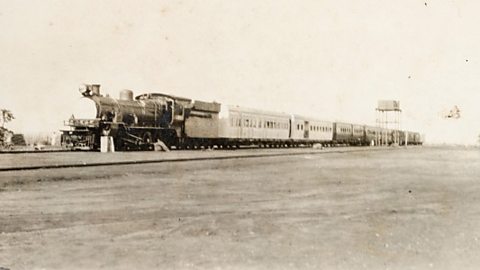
<point x="399" y="208"/>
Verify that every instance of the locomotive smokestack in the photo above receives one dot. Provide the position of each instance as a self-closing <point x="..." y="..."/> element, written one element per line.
<point x="126" y="95"/>
<point x="95" y="89"/>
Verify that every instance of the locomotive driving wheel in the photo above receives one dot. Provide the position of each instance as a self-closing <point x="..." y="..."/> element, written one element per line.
<point x="148" y="140"/>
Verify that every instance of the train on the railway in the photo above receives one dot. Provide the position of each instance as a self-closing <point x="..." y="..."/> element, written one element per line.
<point x="182" y="123"/>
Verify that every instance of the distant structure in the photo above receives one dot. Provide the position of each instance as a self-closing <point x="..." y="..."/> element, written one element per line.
<point x="453" y="113"/>
<point x="388" y="117"/>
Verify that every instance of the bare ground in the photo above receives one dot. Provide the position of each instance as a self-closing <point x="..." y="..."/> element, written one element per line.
<point x="416" y="208"/>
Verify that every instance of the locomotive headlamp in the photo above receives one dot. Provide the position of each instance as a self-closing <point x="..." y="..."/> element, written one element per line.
<point x="84" y="90"/>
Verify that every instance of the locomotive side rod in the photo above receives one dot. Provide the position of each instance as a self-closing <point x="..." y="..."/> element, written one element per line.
<point x="153" y="161"/>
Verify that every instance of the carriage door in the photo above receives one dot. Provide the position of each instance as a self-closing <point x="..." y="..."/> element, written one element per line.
<point x="305" y="131"/>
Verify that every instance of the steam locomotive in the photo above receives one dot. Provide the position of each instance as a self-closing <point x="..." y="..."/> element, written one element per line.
<point x="137" y="123"/>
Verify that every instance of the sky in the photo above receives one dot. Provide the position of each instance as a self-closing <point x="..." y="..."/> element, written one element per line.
<point x="330" y="60"/>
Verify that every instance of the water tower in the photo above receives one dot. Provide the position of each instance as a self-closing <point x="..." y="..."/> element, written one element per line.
<point x="388" y="117"/>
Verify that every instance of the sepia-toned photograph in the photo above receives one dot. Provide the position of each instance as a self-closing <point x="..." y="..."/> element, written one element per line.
<point x="312" y="134"/>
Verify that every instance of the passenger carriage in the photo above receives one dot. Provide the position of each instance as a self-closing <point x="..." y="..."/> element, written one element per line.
<point x="245" y="126"/>
<point x="308" y="130"/>
<point x="358" y="133"/>
<point x="343" y="133"/>
<point x="372" y="135"/>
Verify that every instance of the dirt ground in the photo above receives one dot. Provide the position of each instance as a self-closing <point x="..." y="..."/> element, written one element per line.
<point x="416" y="208"/>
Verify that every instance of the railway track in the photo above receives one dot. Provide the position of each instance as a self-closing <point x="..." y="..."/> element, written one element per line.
<point x="187" y="159"/>
<point x="34" y="151"/>
<point x="244" y="147"/>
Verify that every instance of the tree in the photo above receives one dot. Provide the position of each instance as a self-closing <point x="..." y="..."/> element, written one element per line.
<point x="6" y="116"/>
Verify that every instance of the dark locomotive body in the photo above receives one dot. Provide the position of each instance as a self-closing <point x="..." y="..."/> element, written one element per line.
<point x="132" y="123"/>
<point x="136" y="124"/>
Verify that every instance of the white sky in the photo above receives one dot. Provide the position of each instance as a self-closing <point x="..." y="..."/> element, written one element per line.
<point x="327" y="59"/>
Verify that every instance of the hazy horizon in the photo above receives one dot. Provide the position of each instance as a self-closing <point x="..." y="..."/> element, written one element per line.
<point x="326" y="59"/>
